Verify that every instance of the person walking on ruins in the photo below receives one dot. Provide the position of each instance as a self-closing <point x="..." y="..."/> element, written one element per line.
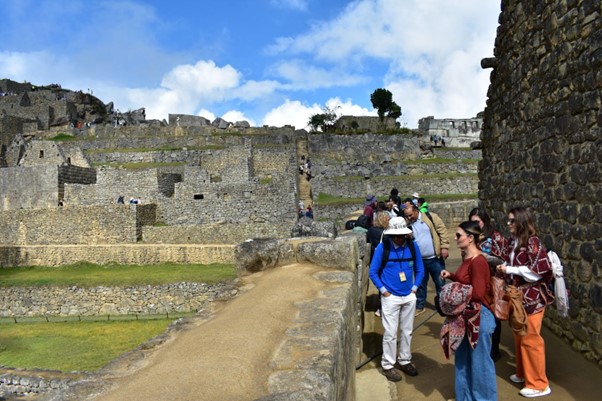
<point x="528" y="268"/>
<point x="431" y="235"/>
<point x="469" y="325"/>
<point x="369" y="209"/>
<point x="397" y="282"/>
<point x="492" y="246"/>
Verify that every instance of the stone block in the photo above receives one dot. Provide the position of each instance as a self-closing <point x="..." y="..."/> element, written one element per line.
<point x="260" y="254"/>
<point x="340" y="254"/>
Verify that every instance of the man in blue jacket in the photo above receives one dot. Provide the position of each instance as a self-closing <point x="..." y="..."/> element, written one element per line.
<point x="397" y="281"/>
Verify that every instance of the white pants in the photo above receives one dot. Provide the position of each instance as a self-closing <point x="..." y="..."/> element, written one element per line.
<point x="397" y="312"/>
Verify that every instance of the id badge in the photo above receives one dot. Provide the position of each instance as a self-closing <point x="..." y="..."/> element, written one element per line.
<point x="402" y="276"/>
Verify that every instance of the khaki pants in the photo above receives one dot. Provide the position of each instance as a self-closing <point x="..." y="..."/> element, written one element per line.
<point x="531" y="354"/>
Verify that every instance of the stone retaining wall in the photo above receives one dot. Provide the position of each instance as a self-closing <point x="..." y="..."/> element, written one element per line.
<point x="360" y="186"/>
<point x="102" y="301"/>
<point x="70" y="225"/>
<point x="137" y="254"/>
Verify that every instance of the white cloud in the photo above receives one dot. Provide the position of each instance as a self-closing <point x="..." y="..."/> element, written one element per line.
<point x="433" y="50"/>
<point x="302" y="75"/>
<point x="207" y="114"/>
<point x="297" y="114"/>
<point x="291" y="113"/>
<point x="233" y="116"/>
<point x="204" y="79"/>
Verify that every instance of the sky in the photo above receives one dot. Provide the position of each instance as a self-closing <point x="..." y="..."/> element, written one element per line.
<point x="269" y="62"/>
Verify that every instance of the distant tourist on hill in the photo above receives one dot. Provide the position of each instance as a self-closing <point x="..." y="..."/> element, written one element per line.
<point x="370" y="208"/>
<point x="309" y="213"/>
<point x="121" y="200"/>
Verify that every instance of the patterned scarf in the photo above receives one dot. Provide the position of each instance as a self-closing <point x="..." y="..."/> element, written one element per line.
<point x="463" y="317"/>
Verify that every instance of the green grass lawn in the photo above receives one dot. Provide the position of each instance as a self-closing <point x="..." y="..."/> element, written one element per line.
<point x="89" y="345"/>
<point x="73" y="346"/>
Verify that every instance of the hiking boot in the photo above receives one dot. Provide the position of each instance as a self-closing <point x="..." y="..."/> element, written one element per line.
<point x="392" y="375"/>
<point x="531" y="392"/>
<point x="408" y="369"/>
<point x="516" y="379"/>
<point x="419" y="312"/>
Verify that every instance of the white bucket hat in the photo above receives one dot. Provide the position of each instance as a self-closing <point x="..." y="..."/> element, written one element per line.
<point x="397" y="226"/>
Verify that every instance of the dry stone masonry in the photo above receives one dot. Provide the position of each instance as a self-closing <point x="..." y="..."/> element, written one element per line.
<point x="542" y="144"/>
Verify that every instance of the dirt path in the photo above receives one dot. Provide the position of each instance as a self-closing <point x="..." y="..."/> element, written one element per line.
<point x="226" y="357"/>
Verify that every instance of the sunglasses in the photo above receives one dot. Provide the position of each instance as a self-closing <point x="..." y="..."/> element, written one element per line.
<point x="510" y="222"/>
<point x="398" y="236"/>
<point x="459" y="235"/>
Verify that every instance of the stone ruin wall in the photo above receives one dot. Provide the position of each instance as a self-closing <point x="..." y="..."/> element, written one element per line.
<point x="70" y="225"/>
<point x="541" y="145"/>
<point x="373" y="164"/>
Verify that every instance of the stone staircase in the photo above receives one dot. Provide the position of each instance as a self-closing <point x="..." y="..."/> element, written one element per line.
<point x="303" y="185"/>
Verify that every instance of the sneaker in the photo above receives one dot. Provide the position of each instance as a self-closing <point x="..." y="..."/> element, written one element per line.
<point x="531" y="392"/>
<point x="419" y="312"/>
<point x="516" y="379"/>
<point x="409" y="369"/>
<point x="392" y="375"/>
<point x="377" y="313"/>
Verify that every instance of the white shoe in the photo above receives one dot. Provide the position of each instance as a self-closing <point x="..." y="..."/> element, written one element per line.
<point x="530" y="392"/>
<point x="377" y="313"/>
<point x="516" y="379"/>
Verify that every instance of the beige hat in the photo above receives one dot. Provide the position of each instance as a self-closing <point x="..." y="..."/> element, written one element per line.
<point x="397" y="226"/>
<point x="415" y="195"/>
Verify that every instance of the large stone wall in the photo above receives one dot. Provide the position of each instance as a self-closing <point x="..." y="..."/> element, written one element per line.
<point x="29" y="187"/>
<point x="70" y="225"/>
<point x="359" y="186"/>
<point x="541" y="145"/>
<point x="135" y="254"/>
<point x="102" y="301"/>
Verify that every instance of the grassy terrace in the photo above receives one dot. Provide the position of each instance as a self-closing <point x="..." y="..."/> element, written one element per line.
<point x="329" y="200"/>
<point x="68" y="344"/>
<point x="157" y="149"/>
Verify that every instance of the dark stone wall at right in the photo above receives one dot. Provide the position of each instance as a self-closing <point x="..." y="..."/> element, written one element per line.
<point x="542" y="145"/>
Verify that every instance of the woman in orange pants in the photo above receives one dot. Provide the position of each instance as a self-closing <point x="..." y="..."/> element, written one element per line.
<point x="528" y="268"/>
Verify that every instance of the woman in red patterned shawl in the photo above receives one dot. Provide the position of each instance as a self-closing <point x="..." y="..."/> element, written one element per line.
<point x="474" y="368"/>
<point x="527" y="267"/>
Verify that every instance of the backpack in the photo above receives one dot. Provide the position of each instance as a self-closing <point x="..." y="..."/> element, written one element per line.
<point x="387" y="250"/>
<point x="363" y="221"/>
<point x="350" y="224"/>
<point x="558" y="285"/>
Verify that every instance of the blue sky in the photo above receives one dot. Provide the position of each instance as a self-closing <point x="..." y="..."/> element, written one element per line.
<point x="271" y="62"/>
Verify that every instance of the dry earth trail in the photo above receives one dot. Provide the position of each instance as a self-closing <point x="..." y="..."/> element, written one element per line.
<point x="226" y="357"/>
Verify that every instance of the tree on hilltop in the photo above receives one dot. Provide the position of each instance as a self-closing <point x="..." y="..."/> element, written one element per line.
<point x="323" y="121"/>
<point x="382" y="101"/>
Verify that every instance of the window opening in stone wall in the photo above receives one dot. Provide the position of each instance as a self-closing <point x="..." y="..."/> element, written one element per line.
<point x="41" y="154"/>
<point x="453" y="124"/>
<point x="69" y="160"/>
<point x="199" y="196"/>
<point x="3" y="152"/>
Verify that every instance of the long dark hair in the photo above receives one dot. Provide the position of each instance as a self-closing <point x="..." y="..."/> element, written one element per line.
<point x="472" y="228"/>
<point x="487" y="224"/>
<point x="523" y="225"/>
